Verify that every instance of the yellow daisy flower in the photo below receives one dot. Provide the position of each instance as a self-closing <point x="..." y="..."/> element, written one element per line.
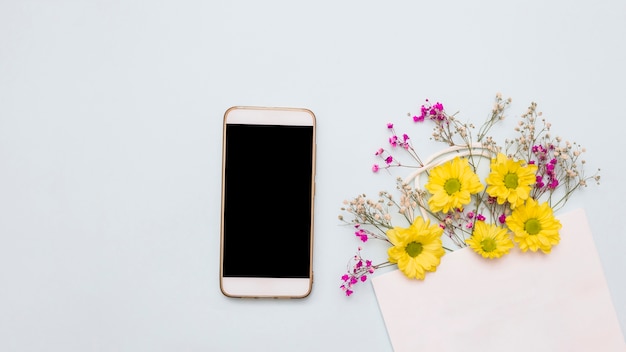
<point x="490" y="241"/>
<point x="416" y="249"/>
<point x="510" y="181"/>
<point x="534" y="226"/>
<point x="451" y="185"/>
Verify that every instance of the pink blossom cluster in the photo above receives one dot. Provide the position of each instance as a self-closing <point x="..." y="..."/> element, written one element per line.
<point x="433" y="112"/>
<point x="361" y="234"/>
<point x="394" y="142"/>
<point x="471" y="215"/>
<point x="545" y="167"/>
<point x="459" y="218"/>
<point x="387" y="158"/>
<point x="357" y="273"/>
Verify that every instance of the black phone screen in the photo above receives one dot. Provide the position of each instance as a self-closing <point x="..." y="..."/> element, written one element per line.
<point x="267" y="201"/>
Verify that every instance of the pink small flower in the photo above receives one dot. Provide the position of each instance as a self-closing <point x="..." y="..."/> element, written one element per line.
<point x="539" y="149"/>
<point x="553" y="183"/>
<point x="379" y="151"/>
<point x="418" y="118"/>
<point x="345" y="277"/>
<point x="363" y="236"/>
<point x="480" y="217"/>
<point x="469" y="225"/>
<point x="470" y="215"/>
<point x="393" y="140"/>
<point x="390" y="125"/>
<point x="349" y="292"/>
<point x="375" y="168"/>
<point x="389" y="160"/>
<point x="502" y="218"/>
<point x="363" y="278"/>
<point x="539" y="181"/>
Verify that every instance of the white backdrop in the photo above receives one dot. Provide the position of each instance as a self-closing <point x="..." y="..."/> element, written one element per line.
<point x="110" y="138"/>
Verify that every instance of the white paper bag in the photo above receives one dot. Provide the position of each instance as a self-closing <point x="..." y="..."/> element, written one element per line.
<point x="520" y="302"/>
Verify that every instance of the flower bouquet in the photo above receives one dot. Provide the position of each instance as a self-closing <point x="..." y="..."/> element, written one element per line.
<point x="476" y="193"/>
<point x="509" y="288"/>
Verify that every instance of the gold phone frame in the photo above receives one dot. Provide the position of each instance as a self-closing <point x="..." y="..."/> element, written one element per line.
<point x="255" y="287"/>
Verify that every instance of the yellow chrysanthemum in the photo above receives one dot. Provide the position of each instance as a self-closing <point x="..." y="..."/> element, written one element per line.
<point x="510" y="181"/>
<point x="451" y="185"/>
<point x="490" y="241"/>
<point x="534" y="226"/>
<point x="416" y="249"/>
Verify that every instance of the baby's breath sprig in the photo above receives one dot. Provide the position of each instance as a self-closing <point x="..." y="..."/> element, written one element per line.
<point x="370" y="212"/>
<point x="560" y="163"/>
<point x="497" y="115"/>
<point x="358" y="271"/>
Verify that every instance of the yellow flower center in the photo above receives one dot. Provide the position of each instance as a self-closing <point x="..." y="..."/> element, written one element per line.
<point x="413" y="249"/>
<point x="452" y="186"/>
<point x="511" y="180"/>
<point x="532" y="226"/>
<point x="488" y="245"/>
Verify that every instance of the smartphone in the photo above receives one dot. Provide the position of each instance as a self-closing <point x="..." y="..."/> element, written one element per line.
<point x="268" y="187"/>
